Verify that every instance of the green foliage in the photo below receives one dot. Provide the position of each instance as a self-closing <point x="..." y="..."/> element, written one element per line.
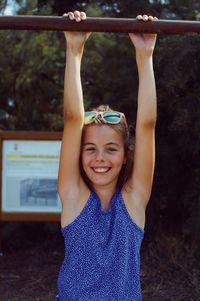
<point x="31" y="79"/>
<point x="177" y="70"/>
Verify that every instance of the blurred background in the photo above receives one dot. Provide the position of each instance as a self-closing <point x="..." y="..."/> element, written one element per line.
<point x="31" y="96"/>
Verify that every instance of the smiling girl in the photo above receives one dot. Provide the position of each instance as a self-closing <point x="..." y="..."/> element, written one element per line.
<point x="104" y="196"/>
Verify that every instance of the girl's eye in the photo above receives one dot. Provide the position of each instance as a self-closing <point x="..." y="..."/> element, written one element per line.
<point x="89" y="149"/>
<point x="112" y="149"/>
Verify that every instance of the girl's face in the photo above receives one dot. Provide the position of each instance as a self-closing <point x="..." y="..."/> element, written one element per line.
<point x="102" y="154"/>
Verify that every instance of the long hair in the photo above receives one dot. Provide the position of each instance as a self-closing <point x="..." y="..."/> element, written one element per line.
<point x="122" y="129"/>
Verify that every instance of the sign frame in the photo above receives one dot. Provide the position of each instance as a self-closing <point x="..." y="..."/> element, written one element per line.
<point x="33" y="136"/>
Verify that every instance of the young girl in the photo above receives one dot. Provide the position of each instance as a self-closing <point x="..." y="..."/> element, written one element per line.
<point x="103" y="201"/>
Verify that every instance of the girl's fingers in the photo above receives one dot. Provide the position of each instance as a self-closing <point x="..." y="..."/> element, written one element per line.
<point x="83" y="15"/>
<point x="146" y="18"/>
<point x="65" y="15"/>
<point x="71" y="15"/>
<point x="76" y="15"/>
<point x="139" y="17"/>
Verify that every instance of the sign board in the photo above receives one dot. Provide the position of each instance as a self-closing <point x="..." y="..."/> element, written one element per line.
<point x="29" y="171"/>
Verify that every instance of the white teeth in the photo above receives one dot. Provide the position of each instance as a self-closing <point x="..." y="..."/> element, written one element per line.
<point x="101" y="169"/>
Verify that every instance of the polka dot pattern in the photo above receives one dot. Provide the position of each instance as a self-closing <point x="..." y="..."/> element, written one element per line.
<point x="102" y="254"/>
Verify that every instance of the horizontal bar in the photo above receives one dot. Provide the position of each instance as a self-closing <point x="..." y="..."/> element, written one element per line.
<point x="94" y="24"/>
<point x="26" y="216"/>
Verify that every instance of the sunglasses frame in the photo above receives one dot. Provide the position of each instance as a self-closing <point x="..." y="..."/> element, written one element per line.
<point x="101" y="114"/>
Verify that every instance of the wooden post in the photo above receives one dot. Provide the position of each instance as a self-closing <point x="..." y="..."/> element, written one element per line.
<point x="92" y="24"/>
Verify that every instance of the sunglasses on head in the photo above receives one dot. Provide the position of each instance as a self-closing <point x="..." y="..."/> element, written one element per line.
<point x="110" y="117"/>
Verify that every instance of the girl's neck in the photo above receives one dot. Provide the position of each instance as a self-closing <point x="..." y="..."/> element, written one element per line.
<point x="105" y="194"/>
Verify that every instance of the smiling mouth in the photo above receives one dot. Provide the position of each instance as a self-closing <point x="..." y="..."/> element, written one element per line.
<point x="101" y="169"/>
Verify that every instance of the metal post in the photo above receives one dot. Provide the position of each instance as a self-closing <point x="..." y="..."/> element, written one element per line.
<point x="92" y="24"/>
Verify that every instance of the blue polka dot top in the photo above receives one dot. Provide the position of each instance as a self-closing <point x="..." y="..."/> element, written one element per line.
<point x="102" y="254"/>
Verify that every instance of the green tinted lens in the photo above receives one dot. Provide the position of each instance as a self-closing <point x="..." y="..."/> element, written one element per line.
<point x="89" y="117"/>
<point x="112" y="117"/>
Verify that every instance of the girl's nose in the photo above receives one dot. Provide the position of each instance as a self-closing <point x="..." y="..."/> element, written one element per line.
<point x="100" y="156"/>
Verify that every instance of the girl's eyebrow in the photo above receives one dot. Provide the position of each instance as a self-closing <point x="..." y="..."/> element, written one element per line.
<point x="88" y="143"/>
<point x="109" y="143"/>
<point x="112" y="143"/>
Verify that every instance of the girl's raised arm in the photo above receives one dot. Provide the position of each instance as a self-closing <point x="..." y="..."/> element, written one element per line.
<point x="69" y="171"/>
<point x="144" y="153"/>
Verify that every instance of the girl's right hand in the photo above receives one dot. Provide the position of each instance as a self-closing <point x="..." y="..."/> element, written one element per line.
<point x="144" y="42"/>
<point x="76" y="39"/>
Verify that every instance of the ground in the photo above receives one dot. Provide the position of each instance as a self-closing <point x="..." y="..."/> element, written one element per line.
<point x="33" y="252"/>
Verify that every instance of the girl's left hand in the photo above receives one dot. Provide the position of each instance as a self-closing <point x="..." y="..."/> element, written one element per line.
<point x="144" y="42"/>
<point x="76" y="39"/>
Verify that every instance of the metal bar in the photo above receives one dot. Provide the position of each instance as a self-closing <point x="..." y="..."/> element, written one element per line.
<point x="92" y="24"/>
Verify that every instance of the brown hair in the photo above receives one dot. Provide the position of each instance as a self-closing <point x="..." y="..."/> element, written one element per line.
<point x="121" y="128"/>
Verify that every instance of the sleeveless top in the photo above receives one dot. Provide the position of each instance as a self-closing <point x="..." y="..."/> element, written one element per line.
<point x="102" y="254"/>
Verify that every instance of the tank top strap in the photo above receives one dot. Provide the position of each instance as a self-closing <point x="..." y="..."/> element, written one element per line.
<point x="127" y="215"/>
